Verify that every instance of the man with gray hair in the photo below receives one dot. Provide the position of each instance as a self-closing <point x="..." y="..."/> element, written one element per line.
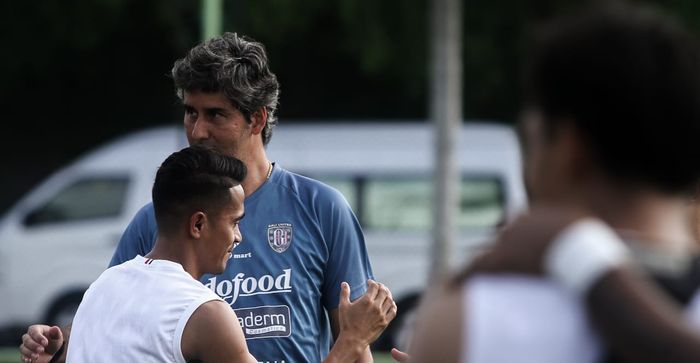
<point x="302" y="238"/>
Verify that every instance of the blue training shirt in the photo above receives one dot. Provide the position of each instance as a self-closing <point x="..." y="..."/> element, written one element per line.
<point x="300" y="241"/>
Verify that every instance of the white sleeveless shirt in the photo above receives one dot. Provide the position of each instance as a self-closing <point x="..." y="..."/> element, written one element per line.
<point x="136" y="312"/>
<point x="526" y="320"/>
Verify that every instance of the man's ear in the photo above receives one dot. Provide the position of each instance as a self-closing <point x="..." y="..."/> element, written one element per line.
<point x="258" y="120"/>
<point x="198" y="221"/>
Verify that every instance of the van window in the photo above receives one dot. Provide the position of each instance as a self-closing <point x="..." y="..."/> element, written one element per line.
<point x="481" y="203"/>
<point x="87" y="198"/>
<point x="407" y="203"/>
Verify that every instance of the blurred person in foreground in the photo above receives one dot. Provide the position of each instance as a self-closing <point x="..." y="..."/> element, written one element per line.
<point x="303" y="239"/>
<point x="153" y="308"/>
<point x="694" y="211"/>
<point x="610" y="124"/>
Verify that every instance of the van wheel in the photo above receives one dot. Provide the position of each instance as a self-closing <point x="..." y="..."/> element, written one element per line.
<point x="398" y="334"/>
<point x="63" y="310"/>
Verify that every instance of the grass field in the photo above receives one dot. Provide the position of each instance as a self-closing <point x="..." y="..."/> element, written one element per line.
<point x="382" y="358"/>
<point x="11" y="355"/>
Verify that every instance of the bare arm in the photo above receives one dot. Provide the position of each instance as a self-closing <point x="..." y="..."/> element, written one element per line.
<point x="366" y="356"/>
<point x="214" y="335"/>
<point x="359" y="323"/>
<point x="438" y="334"/>
<point x="639" y="322"/>
<point x="636" y="319"/>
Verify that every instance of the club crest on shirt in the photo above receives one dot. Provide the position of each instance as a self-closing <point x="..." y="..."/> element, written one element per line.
<point x="279" y="236"/>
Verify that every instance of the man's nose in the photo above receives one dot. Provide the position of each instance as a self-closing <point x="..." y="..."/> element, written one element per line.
<point x="237" y="236"/>
<point x="200" y="131"/>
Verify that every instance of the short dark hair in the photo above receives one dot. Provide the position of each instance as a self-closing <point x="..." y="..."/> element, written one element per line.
<point x="194" y="178"/>
<point x="629" y="78"/>
<point x="237" y="66"/>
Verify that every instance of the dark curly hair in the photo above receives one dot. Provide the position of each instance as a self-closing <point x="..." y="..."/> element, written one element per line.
<point x="238" y="67"/>
<point x="629" y="78"/>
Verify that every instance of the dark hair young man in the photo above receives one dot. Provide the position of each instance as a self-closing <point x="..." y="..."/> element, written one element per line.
<point x="153" y="308"/>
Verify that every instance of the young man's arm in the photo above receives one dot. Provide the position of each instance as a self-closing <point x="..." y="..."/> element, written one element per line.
<point x="214" y="335"/>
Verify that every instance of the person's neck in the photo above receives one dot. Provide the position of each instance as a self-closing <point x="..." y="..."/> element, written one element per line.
<point x="176" y="251"/>
<point x="258" y="169"/>
<point x="645" y="215"/>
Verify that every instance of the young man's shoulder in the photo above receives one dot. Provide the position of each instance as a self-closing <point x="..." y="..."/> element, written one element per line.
<point x="213" y="334"/>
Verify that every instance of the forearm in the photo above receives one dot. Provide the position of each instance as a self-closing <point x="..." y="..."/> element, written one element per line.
<point x="357" y="324"/>
<point x="366" y="357"/>
<point x="347" y="350"/>
<point x="638" y="322"/>
<point x="344" y="349"/>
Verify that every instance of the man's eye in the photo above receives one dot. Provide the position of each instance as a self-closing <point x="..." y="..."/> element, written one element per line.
<point x="214" y="114"/>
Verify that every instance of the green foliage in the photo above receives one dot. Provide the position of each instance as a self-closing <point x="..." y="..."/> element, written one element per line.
<point x="90" y="69"/>
<point x="342" y="58"/>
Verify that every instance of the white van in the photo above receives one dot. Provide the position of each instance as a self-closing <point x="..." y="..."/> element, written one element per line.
<point x="61" y="236"/>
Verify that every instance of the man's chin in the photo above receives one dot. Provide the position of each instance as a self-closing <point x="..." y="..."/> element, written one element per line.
<point x="218" y="269"/>
<point x="228" y="151"/>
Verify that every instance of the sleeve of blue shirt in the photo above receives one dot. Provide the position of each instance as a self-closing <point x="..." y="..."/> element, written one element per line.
<point x="347" y="253"/>
<point x="138" y="238"/>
